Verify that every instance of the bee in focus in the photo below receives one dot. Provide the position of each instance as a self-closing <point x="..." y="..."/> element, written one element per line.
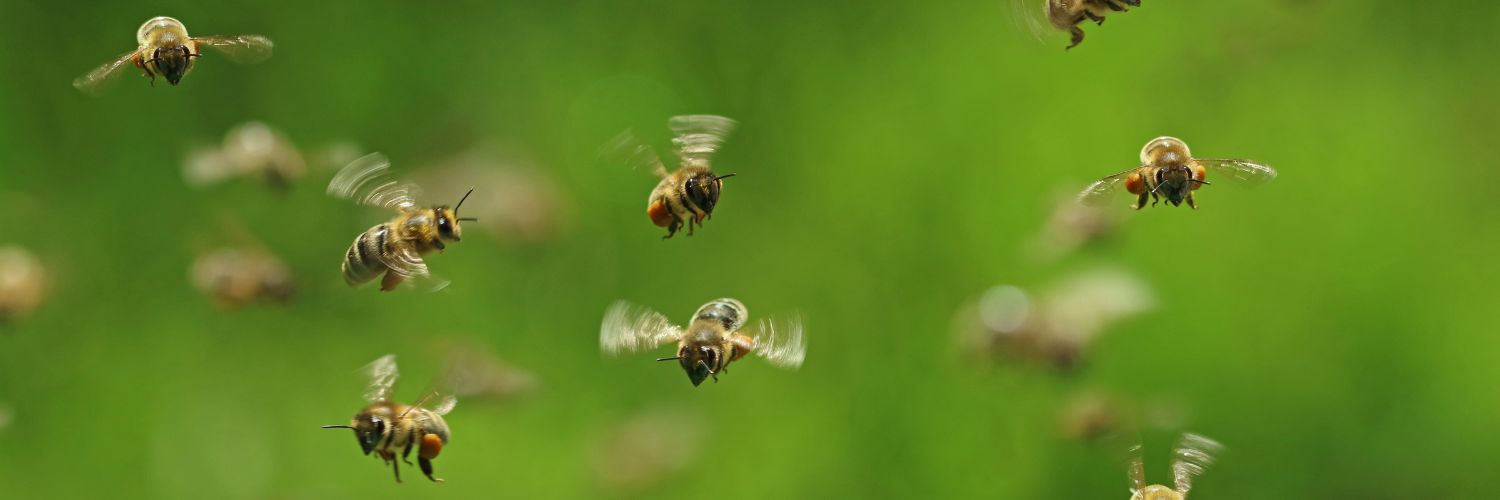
<point x="165" y="49"/>
<point x="1193" y="454"/>
<point x="251" y="149"/>
<point x="23" y="283"/>
<point x="686" y="196"/>
<point x="1055" y="326"/>
<point x="234" y="277"/>
<point x="712" y="341"/>
<point x="396" y="247"/>
<point x="384" y="426"/>
<point x="1066" y="15"/>
<point x="1169" y="170"/>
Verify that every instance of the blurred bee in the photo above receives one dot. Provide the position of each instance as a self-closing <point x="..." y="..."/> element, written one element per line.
<point x="1066" y="15"/>
<point x="686" y="196"/>
<point x="519" y="203"/>
<point x="647" y="448"/>
<point x="710" y="343"/>
<point x="1170" y="171"/>
<point x="1055" y="326"/>
<point x="253" y="148"/>
<point x="396" y="247"/>
<point x="167" y="50"/>
<point x="385" y="426"/>
<point x="475" y="374"/>
<point x="23" y="283"/>
<point x="1072" y="227"/>
<point x="234" y="277"/>
<point x="1193" y="454"/>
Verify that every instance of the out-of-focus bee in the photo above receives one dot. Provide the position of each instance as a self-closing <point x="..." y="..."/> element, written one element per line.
<point x="519" y="203"/>
<point x="1168" y="170"/>
<point x="475" y="374"/>
<point x="1055" y="326"/>
<point x="238" y="276"/>
<point x="167" y="50"/>
<point x="710" y="342"/>
<point x="385" y="427"/>
<point x="686" y="196"/>
<point x="1073" y="226"/>
<point x="1066" y="15"/>
<point x="642" y="450"/>
<point x="396" y="247"/>
<point x="253" y="148"/>
<point x="1193" y="454"/>
<point x="23" y="283"/>
<point x="6" y="416"/>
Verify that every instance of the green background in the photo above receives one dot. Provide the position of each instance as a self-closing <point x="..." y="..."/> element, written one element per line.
<point x="1334" y="329"/>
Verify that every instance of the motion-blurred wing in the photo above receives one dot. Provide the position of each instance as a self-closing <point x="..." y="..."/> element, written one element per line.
<point x="1193" y="455"/>
<point x="368" y="181"/>
<point x="436" y="402"/>
<point x="629" y="328"/>
<point x="405" y="261"/>
<point x="698" y="137"/>
<point x="1101" y="191"/>
<point x="382" y="373"/>
<point x="244" y="49"/>
<point x="1136" y="468"/>
<point x="1243" y="171"/>
<point x="780" y="342"/>
<point x="96" y="81"/>
<point x="627" y="149"/>
<point x="1030" y="17"/>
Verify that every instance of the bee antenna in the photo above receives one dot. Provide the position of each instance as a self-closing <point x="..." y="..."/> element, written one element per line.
<point x="337" y="427"/>
<point x="1200" y="181"/>
<point x="669" y="359"/>
<point x="468" y="219"/>
<point x="725" y="176"/>
<point x="461" y="201"/>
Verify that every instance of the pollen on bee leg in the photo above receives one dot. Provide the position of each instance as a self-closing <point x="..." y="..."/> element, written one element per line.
<point x="431" y="446"/>
<point x="1200" y="174"/>
<point x="659" y="213"/>
<point x="1135" y="183"/>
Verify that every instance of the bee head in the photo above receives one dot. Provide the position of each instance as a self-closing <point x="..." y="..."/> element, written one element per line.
<point x="700" y="362"/>
<point x="448" y="219"/>
<point x="1159" y="492"/>
<point x="172" y="62"/>
<point x="368" y="430"/>
<point x="702" y="190"/>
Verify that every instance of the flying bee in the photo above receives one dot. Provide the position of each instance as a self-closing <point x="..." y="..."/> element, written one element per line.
<point x="234" y="277"/>
<point x="1168" y="170"/>
<point x="396" y="247"/>
<point x="250" y="149"/>
<point x="686" y="196"/>
<point x="167" y="50"/>
<point x="1066" y="15"/>
<point x="1193" y="454"/>
<point x="1058" y="324"/>
<point x="23" y="283"/>
<point x="384" y="426"/>
<point x="712" y="341"/>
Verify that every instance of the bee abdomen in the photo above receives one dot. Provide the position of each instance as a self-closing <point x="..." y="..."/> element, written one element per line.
<point x="729" y="312"/>
<point x="362" y="262"/>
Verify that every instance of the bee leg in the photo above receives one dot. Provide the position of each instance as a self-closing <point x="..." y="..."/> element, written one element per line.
<point x="1191" y="204"/>
<point x="1132" y="3"/>
<point x="1077" y="37"/>
<point x="1097" y="19"/>
<point x="439" y="244"/>
<point x="391" y="281"/>
<point x="672" y="228"/>
<point x="406" y="454"/>
<point x="427" y="469"/>
<point x="1140" y="202"/>
<point x="391" y="459"/>
<point x="1114" y="6"/>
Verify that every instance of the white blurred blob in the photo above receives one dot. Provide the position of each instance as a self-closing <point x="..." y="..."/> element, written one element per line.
<point x="334" y="156"/>
<point x="1055" y="325"/>
<point x="250" y="149"/>
<point x="1071" y="227"/>
<point x="475" y="374"/>
<point x="516" y="202"/>
<point x="642" y="451"/>
<point x="234" y="277"/>
<point x="7" y="415"/>
<point x="23" y="283"/>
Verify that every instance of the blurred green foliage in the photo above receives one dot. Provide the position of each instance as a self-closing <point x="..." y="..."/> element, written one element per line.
<point x="1331" y="328"/>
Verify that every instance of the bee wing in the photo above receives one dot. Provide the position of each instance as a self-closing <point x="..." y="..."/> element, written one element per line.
<point x="1243" y="171"/>
<point x="244" y="49"/>
<point x="780" y="342"/>
<point x="405" y="261"/>
<point x="1194" y="453"/>
<point x="1136" y="469"/>
<point x="382" y="374"/>
<point x="699" y="136"/>
<point x="1102" y="190"/>
<point x="1030" y="16"/>
<point x="628" y="149"/>
<point x="95" y="82"/>
<point x="367" y="180"/>
<point x="629" y="328"/>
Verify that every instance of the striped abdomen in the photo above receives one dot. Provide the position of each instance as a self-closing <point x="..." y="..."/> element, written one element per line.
<point x="728" y="312"/>
<point x="362" y="262"/>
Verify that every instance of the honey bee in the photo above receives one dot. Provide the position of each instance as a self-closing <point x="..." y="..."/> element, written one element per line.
<point x="1066" y="15"/>
<point x="385" y="426"/>
<point x="1168" y="170"/>
<point x="1193" y="454"/>
<point x="1056" y="326"/>
<point x="688" y="195"/>
<point x="710" y="343"/>
<point x="252" y="148"/>
<point x="23" y="283"/>
<point x="234" y="277"/>
<point x="396" y="247"/>
<point x="167" y="50"/>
